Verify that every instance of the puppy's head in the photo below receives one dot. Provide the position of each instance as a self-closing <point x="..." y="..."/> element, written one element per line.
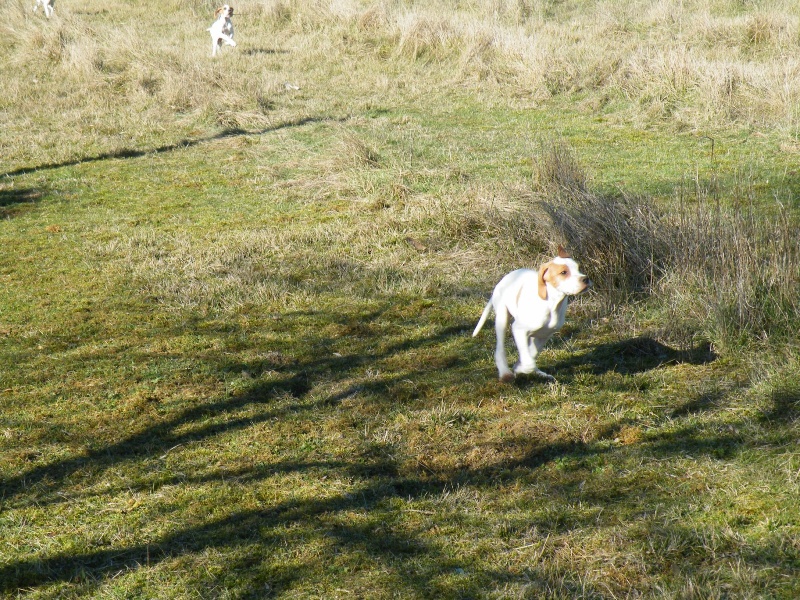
<point x="223" y="11"/>
<point x="563" y="274"/>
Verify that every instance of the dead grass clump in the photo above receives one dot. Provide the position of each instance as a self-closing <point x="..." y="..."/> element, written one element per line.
<point x="514" y="12"/>
<point x="721" y="91"/>
<point x="277" y="12"/>
<point x="48" y="44"/>
<point x="424" y="37"/>
<point x="621" y="240"/>
<point x="355" y="152"/>
<point x="301" y="16"/>
<point x="373" y="19"/>
<point x="342" y="167"/>
<point x="485" y="58"/>
<point x="479" y="56"/>
<point x="762" y="29"/>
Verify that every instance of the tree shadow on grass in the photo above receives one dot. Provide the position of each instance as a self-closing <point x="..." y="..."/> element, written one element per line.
<point x="362" y="526"/>
<point x="785" y="404"/>
<point x="182" y="144"/>
<point x="414" y="564"/>
<point x="283" y="396"/>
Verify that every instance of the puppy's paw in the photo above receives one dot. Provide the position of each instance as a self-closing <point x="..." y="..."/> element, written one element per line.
<point x="507" y="377"/>
<point x="520" y="370"/>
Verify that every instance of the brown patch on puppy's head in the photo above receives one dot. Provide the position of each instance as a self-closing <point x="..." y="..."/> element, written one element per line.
<point x="563" y="274"/>
<point x="223" y="10"/>
<point x="544" y="277"/>
<point x="551" y="272"/>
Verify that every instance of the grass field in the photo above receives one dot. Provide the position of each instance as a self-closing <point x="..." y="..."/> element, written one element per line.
<point x="237" y="297"/>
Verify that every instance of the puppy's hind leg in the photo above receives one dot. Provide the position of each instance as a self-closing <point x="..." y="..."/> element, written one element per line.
<point x="500" y="326"/>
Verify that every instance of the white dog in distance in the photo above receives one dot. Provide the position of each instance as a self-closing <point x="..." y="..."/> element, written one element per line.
<point x="538" y="303"/>
<point x="222" y="28"/>
<point x="47" y="5"/>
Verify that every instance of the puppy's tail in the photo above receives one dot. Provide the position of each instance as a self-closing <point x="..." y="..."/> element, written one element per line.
<point x="484" y="316"/>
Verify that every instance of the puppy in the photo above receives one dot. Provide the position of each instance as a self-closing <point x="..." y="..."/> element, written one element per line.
<point x="538" y="303"/>
<point x="222" y="28"/>
<point x="47" y="5"/>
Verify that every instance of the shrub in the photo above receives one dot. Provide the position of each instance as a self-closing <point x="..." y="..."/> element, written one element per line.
<point x="622" y="240"/>
<point x="729" y="269"/>
<point x="738" y="267"/>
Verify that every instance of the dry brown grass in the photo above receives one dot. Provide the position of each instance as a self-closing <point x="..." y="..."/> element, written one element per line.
<point x="689" y="65"/>
<point x="96" y="85"/>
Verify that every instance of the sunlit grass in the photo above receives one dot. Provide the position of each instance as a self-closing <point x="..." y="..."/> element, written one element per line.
<point x="235" y="316"/>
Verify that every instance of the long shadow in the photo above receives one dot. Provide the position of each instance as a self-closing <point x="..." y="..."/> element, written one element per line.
<point x="288" y="395"/>
<point x="785" y="404"/>
<point x="161" y="437"/>
<point x="327" y="518"/>
<point x="17" y="195"/>
<point x="182" y="144"/>
<point x="295" y="383"/>
<point x="269" y="51"/>
<point x="244" y="528"/>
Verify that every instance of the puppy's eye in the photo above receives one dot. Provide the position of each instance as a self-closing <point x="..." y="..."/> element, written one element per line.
<point x="563" y="272"/>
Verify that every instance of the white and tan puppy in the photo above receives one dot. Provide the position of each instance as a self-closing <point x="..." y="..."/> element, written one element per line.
<point x="222" y="28"/>
<point x="47" y="5"/>
<point x="538" y="303"/>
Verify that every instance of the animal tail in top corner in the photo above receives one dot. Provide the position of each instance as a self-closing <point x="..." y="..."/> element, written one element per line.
<point x="484" y="316"/>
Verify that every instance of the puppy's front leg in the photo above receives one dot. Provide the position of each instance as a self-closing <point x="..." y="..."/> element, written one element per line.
<point x="529" y="348"/>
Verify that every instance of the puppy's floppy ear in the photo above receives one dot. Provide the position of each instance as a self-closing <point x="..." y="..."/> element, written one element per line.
<point x="217" y="13"/>
<point x="562" y="253"/>
<point x="542" y="284"/>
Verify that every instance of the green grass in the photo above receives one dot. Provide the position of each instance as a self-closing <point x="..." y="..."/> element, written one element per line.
<point x="235" y="331"/>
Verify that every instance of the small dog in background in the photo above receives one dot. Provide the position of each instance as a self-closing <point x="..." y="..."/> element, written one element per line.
<point x="538" y="303"/>
<point x="222" y="28"/>
<point x="47" y="5"/>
